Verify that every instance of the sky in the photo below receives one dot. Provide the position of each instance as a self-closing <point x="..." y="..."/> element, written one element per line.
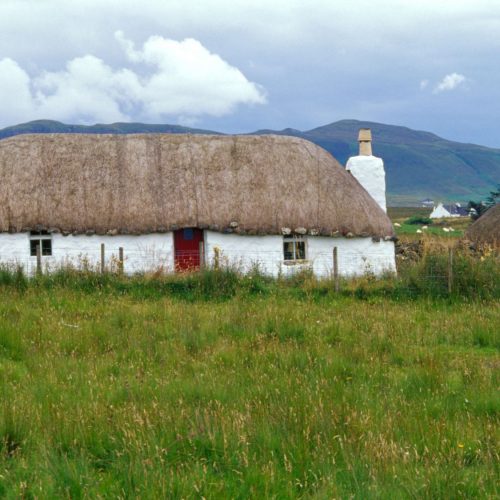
<point x="239" y="66"/>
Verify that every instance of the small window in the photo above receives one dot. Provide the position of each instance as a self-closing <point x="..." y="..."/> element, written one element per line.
<point x="188" y="234"/>
<point x="42" y="239"/>
<point x="294" y="248"/>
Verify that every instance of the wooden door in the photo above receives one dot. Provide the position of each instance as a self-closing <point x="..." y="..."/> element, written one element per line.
<point x="187" y="248"/>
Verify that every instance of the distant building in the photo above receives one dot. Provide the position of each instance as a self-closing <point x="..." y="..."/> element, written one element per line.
<point x="427" y="203"/>
<point x="453" y="210"/>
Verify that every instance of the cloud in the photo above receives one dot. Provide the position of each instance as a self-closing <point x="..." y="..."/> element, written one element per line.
<point x="450" y="82"/>
<point x="165" y="79"/>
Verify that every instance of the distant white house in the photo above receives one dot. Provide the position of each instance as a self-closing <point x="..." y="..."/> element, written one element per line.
<point x="454" y="210"/>
<point x="427" y="203"/>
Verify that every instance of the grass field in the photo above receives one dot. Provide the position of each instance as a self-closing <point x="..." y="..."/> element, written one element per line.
<point x="248" y="389"/>
<point x="437" y="228"/>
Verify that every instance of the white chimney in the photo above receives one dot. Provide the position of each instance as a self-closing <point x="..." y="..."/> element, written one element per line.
<point x="368" y="169"/>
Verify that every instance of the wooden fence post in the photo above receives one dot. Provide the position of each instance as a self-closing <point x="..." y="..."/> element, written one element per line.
<point x="38" y="259"/>
<point x="336" y="269"/>
<point x="103" y="262"/>
<point x="450" y="270"/>
<point x="120" y="260"/>
<point x="216" y="258"/>
<point x="202" y="255"/>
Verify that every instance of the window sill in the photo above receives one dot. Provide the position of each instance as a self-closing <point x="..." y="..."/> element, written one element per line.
<point x="298" y="262"/>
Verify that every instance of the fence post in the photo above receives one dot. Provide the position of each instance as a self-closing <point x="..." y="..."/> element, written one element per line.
<point x="120" y="260"/>
<point x="450" y="270"/>
<point x="38" y="259"/>
<point x="102" y="259"/>
<point x="202" y="255"/>
<point x="216" y="258"/>
<point x="336" y="269"/>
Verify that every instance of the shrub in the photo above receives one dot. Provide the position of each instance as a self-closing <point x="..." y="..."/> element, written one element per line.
<point x="418" y="220"/>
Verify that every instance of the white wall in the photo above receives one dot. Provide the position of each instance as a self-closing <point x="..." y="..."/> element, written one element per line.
<point x="440" y="212"/>
<point x="356" y="256"/>
<point x="144" y="252"/>
<point x="370" y="173"/>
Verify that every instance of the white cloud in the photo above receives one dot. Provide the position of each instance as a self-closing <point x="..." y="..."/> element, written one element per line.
<point x="450" y="82"/>
<point x="15" y="96"/>
<point x="166" y="79"/>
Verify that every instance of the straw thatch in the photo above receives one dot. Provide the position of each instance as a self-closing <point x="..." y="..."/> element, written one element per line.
<point x="487" y="228"/>
<point x="153" y="183"/>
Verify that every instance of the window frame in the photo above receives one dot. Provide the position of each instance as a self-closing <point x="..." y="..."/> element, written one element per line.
<point x="295" y="239"/>
<point x="38" y="238"/>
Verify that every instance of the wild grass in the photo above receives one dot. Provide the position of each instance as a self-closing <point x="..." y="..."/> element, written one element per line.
<point x="216" y="385"/>
<point x="438" y="228"/>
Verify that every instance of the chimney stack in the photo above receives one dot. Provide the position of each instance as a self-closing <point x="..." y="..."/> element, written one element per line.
<point x="365" y="142"/>
<point x="368" y="170"/>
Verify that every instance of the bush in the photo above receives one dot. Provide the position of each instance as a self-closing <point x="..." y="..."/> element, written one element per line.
<point x="418" y="220"/>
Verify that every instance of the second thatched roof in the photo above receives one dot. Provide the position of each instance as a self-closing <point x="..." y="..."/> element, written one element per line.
<point x="138" y="184"/>
<point x="487" y="228"/>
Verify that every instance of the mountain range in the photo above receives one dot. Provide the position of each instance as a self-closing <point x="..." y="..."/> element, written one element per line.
<point x="418" y="164"/>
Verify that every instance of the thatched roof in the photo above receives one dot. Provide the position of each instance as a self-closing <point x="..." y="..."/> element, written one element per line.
<point x="159" y="182"/>
<point x="487" y="228"/>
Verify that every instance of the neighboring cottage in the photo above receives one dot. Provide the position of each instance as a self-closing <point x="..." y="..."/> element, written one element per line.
<point x="179" y="201"/>
<point x="427" y="203"/>
<point x="486" y="229"/>
<point x="453" y="210"/>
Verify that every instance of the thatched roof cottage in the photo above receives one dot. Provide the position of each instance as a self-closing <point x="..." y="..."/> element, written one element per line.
<point x="487" y="228"/>
<point x="177" y="200"/>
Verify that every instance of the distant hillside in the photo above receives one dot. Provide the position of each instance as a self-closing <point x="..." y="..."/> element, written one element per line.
<point x="53" y="127"/>
<point x="418" y="164"/>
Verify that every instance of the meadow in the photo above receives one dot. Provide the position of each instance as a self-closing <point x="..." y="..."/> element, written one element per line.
<point x="447" y="228"/>
<point x="217" y="385"/>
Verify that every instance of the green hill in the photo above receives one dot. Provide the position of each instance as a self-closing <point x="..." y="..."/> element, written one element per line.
<point x="54" y="127"/>
<point x="418" y="164"/>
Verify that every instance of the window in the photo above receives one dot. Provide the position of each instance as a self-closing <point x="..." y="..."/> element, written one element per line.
<point x="43" y="239"/>
<point x="294" y="247"/>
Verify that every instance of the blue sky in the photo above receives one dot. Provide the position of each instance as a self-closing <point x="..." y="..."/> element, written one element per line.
<point x="239" y="66"/>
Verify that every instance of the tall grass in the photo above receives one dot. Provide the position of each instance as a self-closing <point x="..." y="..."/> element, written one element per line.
<point x="275" y="395"/>
<point x="215" y="384"/>
<point x="473" y="277"/>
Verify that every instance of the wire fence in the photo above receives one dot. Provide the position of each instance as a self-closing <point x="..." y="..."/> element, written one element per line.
<point x="324" y="264"/>
<point x="444" y="272"/>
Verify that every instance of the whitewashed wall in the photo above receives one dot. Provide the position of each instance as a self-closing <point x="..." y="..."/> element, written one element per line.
<point x="144" y="252"/>
<point x="357" y="256"/>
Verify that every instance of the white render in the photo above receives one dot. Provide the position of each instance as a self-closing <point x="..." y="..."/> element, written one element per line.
<point x="439" y="212"/>
<point x="142" y="253"/>
<point x="154" y="252"/>
<point x="356" y="256"/>
<point x="370" y="173"/>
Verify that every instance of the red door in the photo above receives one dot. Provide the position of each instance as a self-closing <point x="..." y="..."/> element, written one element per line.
<point x="187" y="248"/>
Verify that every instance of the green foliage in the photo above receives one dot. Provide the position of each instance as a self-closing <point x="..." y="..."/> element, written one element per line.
<point x="126" y="390"/>
<point x="418" y="220"/>
<point x="482" y="206"/>
<point x="474" y="278"/>
<point x="13" y="276"/>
